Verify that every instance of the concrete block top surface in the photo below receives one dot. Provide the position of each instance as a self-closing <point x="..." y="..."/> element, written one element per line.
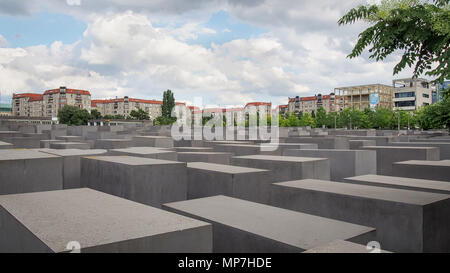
<point x="134" y="161"/>
<point x="402" y="181"/>
<point x="280" y="158"/>
<point x="204" y="153"/>
<point x="294" y="228"/>
<point x="341" y="246"/>
<point x="72" y="152"/>
<point x="442" y="163"/>
<point x="399" y="148"/>
<point x="4" y="143"/>
<point x="363" y="191"/>
<point x="143" y="150"/>
<point x="193" y="148"/>
<point x="90" y="217"/>
<point x="222" y="168"/>
<point x="153" y="137"/>
<point x="333" y="150"/>
<point x="20" y="154"/>
<point x="114" y="139"/>
<point x="68" y="143"/>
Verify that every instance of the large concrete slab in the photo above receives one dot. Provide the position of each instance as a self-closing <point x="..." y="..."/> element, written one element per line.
<point x="433" y="170"/>
<point x="341" y="246"/>
<point x="48" y="221"/>
<point x="112" y="143"/>
<point x="406" y="221"/>
<point x="357" y="144"/>
<point x="70" y="145"/>
<point x="211" y="157"/>
<point x="145" y="180"/>
<point x="401" y="183"/>
<point x="207" y="179"/>
<point x="193" y="149"/>
<point x="238" y="149"/>
<point x="241" y="226"/>
<point x="343" y="163"/>
<point x="286" y="168"/>
<point x="444" y="147"/>
<point x="279" y="148"/>
<point x="23" y="170"/>
<point x="387" y="155"/>
<point x="72" y="164"/>
<point x="46" y="142"/>
<point x="147" y="152"/>
<point x="323" y="142"/>
<point x="4" y="145"/>
<point x="153" y="141"/>
<point x="70" y="138"/>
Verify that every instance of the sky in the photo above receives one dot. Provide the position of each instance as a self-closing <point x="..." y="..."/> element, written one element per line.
<point x="209" y="52"/>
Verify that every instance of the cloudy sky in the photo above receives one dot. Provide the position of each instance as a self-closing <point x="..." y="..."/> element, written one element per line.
<point x="226" y="52"/>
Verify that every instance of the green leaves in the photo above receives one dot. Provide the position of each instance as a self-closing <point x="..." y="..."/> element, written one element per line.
<point x="73" y="115"/>
<point x="420" y="29"/>
<point x="139" y="114"/>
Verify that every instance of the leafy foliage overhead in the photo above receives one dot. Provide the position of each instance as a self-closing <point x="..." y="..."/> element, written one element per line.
<point x="420" y="29"/>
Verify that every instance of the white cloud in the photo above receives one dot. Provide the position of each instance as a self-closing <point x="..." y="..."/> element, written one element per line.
<point x="3" y="42"/>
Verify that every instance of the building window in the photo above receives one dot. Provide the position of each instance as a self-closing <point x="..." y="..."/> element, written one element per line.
<point x="405" y="95"/>
<point x="425" y="95"/>
<point x="405" y="103"/>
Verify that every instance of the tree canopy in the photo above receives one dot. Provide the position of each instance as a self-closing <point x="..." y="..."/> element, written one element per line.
<point x="420" y="29"/>
<point x="73" y="115"/>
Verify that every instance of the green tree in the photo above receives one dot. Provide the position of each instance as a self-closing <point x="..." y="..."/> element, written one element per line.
<point x="382" y="118"/>
<point x="420" y="29"/>
<point x="306" y="120"/>
<point x="292" y="120"/>
<point x="321" y="118"/>
<point x="168" y="104"/>
<point x="139" y="114"/>
<point x="95" y="114"/>
<point x="73" y="115"/>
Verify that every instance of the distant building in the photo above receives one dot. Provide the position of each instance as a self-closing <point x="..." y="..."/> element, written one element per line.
<point x="267" y="106"/>
<point x="312" y="103"/>
<point x="124" y="106"/>
<point x="411" y="94"/>
<point x="56" y="99"/>
<point x="21" y="103"/>
<point x="283" y="109"/>
<point x="438" y="93"/>
<point x="365" y="96"/>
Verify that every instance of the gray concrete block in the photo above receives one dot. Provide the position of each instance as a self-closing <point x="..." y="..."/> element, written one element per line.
<point x="9" y="134"/>
<point x="343" y="163"/>
<point x="46" y="142"/>
<point x="70" y="138"/>
<point x="433" y="170"/>
<point x="4" y="145"/>
<point x="25" y="170"/>
<point x="207" y="179"/>
<point x="287" y="168"/>
<point x="238" y="149"/>
<point x="358" y="144"/>
<point x="333" y="142"/>
<point x="147" y="152"/>
<point x="193" y="149"/>
<point x="72" y="164"/>
<point x="406" y="221"/>
<point x="341" y="246"/>
<point x="113" y="143"/>
<point x="153" y="141"/>
<point x="145" y="180"/>
<point x="444" y="147"/>
<point x="70" y="145"/>
<point x="241" y="226"/>
<point x="395" y="182"/>
<point x="279" y="148"/>
<point x="48" y="221"/>
<point x="211" y="157"/>
<point x="386" y="155"/>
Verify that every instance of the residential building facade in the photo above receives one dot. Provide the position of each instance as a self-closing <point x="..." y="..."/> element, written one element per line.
<point x="56" y="99"/>
<point x="331" y="103"/>
<point x="365" y="96"/>
<point x="411" y="94"/>
<point x="124" y="106"/>
<point x="21" y="103"/>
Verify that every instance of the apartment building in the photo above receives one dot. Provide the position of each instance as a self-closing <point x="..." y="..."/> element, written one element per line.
<point x="411" y="94"/>
<point x="439" y="91"/>
<point x="330" y="103"/>
<point x="21" y="103"/>
<point x="365" y="96"/>
<point x="124" y="106"/>
<point x="56" y="99"/>
<point x="36" y="106"/>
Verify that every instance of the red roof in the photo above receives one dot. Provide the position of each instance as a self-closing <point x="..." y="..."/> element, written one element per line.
<point x="95" y="102"/>
<point x="27" y="95"/>
<point x="258" y="104"/>
<point x="68" y="91"/>
<point x="36" y="98"/>
<point x="283" y="106"/>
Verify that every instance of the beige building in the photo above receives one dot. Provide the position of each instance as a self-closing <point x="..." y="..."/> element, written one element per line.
<point x="21" y="104"/>
<point x="124" y="106"/>
<point x="56" y="99"/>
<point x="330" y="103"/>
<point x="36" y="107"/>
<point x="365" y="96"/>
<point x="411" y="94"/>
